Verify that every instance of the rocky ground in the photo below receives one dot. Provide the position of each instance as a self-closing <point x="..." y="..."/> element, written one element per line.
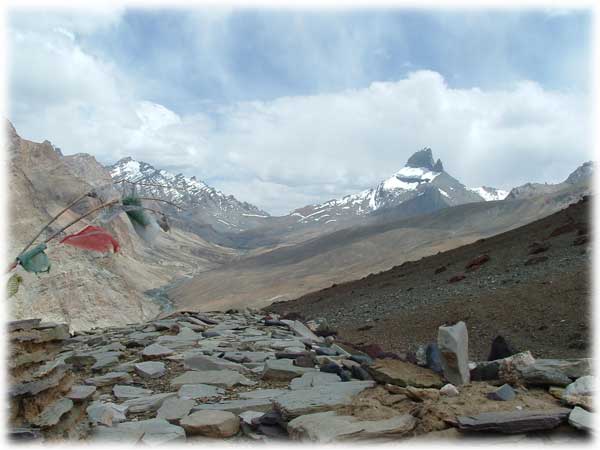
<point x="246" y="376"/>
<point x="530" y="284"/>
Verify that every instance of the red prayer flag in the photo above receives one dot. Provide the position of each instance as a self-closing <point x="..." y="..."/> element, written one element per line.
<point x="92" y="238"/>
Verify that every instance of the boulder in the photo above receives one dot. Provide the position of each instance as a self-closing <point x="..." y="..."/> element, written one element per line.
<point x="501" y="349"/>
<point x="582" y="419"/>
<point x="453" y="342"/>
<point x="403" y="374"/>
<point x="215" y="424"/>
<point x="580" y="392"/>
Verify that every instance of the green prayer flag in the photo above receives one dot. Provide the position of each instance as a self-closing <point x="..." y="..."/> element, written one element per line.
<point x="35" y="260"/>
<point x="13" y="284"/>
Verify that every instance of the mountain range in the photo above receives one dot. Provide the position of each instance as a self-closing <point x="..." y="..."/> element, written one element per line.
<point x="222" y="252"/>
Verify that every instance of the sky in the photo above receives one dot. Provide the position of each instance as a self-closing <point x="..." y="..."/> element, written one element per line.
<point x="284" y="108"/>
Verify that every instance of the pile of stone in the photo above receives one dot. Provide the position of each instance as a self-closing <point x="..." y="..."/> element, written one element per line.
<point x="241" y="375"/>
<point x="43" y="403"/>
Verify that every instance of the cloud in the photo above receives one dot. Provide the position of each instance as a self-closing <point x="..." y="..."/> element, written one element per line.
<point x="285" y="152"/>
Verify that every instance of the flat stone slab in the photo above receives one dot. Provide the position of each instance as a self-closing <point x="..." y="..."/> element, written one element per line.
<point x="511" y="422"/>
<point x="573" y="368"/>
<point x="155" y="431"/>
<point x="109" y="378"/>
<point x="126" y="392"/>
<point x="81" y="392"/>
<point x="52" y="414"/>
<point x="223" y="378"/>
<point x="199" y="391"/>
<point x="174" y="408"/>
<point x="302" y="330"/>
<point x="106" y="413"/>
<point x="35" y="387"/>
<point x="150" y="369"/>
<point x="262" y="393"/>
<point x="400" y="373"/>
<point x="115" y="435"/>
<point x="328" y="427"/>
<point x="155" y="351"/>
<point x="283" y="370"/>
<point x="312" y="379"/>
<point x="196" y="361"/>
<point x="318" y="399"/>
<point x="237" y="406"/>
<point x="147" y="403"/>
<point x="215" y="424"/>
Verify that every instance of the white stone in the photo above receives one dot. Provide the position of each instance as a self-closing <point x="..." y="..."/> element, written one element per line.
<point x="453" y="342"/>
<point x="449" y="390"/>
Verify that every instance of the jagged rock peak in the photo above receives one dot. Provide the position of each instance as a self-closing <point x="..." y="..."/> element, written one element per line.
<point x="582" y="173"/>
<point x="424" y="159"/>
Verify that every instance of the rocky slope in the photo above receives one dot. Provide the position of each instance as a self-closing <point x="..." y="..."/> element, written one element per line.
<point x="244" y="376"/>
<point x="86" y="289"/>
<point x="530" y="284"/>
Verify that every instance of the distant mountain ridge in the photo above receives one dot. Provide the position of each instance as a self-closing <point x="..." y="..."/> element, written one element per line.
<point x="204" y="204"/>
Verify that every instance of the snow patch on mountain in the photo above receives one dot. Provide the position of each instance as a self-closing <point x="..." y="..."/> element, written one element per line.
<point x="489" y="194"/>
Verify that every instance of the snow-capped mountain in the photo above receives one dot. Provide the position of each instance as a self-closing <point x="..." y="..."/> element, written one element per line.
<point x="422" y="180"/>
<point x="203" y="204"/>
<point x="489" y="194"/>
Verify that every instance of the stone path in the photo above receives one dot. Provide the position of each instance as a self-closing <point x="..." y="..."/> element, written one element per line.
<point x="243" y="376"/>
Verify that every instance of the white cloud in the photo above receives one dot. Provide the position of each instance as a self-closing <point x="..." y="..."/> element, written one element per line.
<point x="288" y="152"/>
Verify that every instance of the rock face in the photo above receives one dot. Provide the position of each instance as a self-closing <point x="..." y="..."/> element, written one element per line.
<point x="453" y="342"/>
<point x="216" y="424"/>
